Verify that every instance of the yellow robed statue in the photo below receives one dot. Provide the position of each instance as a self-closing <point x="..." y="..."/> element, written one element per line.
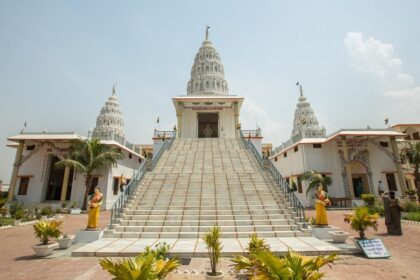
<point x="94" y="207"/>
<point x="321" y="201"/>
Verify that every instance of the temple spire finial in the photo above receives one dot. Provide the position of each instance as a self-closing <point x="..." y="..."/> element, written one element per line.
<point x="207" y="32"/>
<point x="114" y="91"/>
<point x="300" y="88"/>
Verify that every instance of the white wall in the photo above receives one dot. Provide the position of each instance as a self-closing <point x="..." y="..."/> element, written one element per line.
<point x="326" y="160"/>
<point x="38" y="167"/>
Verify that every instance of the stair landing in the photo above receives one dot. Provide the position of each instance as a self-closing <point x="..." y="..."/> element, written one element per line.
<point x="195" y="247"/>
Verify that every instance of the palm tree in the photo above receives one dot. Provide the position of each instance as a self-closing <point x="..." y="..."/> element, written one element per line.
<point x="87" y="155"/>
<point x="411" y="153"/>
<point x="315" y="180"/>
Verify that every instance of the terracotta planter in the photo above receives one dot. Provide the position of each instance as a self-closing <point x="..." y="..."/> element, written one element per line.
<point x="219" y="276"/>
<point x="44" y="250"/>
<point x="65" y="242"/>
<point x="339" y="236"/>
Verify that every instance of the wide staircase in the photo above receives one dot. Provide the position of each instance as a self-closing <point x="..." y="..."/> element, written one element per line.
<point x="199" y="183"/>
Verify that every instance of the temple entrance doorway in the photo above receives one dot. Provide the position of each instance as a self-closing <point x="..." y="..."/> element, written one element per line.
<point x="359" y="177"/>
<point x="55" y="181"/>
<point x="208" y="125"/>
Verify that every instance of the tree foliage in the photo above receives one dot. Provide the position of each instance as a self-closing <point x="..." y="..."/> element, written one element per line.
<point x="315" y="180"/>
<point x="88" y="155"/>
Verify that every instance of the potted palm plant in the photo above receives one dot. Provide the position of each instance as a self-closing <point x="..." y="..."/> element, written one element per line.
<point x="262" y="263"/>
<point x="45" y="231"/>
<point x="150" y="264"/>
<point x="361" y="220"/>
<point x="214" y="248"/>
<point x="65" y="241"/>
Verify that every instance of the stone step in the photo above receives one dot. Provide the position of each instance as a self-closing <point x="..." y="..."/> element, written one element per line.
<point x="207" y="217"/>
<point x="202" y="207"/>
<point x="231" y="228"/>
<point x="234" y="234"/>
<point x="205" y="222"/>
<point x="206" y="212"/>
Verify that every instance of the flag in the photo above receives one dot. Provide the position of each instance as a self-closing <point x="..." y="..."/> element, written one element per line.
<point x="157" y="121"/>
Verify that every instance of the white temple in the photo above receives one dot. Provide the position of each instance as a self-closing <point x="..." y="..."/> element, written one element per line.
<point x="207" y="111"/>
<point x="110" y="123"/>
<point x="35" y="178"/>
<point x="305" y="123"/>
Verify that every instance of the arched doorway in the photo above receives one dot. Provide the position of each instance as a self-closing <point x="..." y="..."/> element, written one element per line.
<point x="359" y="178"/>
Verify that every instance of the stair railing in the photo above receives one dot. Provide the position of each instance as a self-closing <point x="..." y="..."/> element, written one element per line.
<point x="297" y="205"/>
<point x="119" y="205"/>
<point x="165" y="145"/>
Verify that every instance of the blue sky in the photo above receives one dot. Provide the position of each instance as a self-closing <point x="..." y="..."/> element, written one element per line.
<point x="357" y="60"/>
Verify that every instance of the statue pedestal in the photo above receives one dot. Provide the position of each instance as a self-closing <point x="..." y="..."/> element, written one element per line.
<point x="323" y="232"/>
<point x="88" y="236"/>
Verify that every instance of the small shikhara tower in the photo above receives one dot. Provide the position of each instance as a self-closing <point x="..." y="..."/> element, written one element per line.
<point x="110" y="124"/>
<point x="305" y="123"/>
<point x="207" y="111"/>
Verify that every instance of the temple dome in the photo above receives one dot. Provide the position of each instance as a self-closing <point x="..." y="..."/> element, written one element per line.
<point x="207" y="72"/>
<point x="305" y="123"/>
<point x="110" y="124"/>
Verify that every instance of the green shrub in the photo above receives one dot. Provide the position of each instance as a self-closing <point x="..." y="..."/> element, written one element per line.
<point x="46" y="211"/>
<point x="14" y="206"/>
<point x="45" y="231"/>
<point x="369" y="199"/>
<point x="160" y="252"/>
<point x="5" y="221"/>
<point x="2" y="202"/>
<point x="410" y="206"/>
<point x="412" y="216"/>
<point x="19" y="214"/>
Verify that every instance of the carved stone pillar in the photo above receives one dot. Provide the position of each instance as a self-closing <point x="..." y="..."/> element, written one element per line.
<point x="398" y="165"/>
<point x="15" y="171"/>
<point x="347" y="168"/>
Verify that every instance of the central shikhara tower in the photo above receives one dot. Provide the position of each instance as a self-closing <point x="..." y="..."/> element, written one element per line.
<point x="207" y="111"/>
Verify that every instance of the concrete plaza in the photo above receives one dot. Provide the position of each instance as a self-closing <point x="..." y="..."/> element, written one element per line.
<point x="18" y="262"/>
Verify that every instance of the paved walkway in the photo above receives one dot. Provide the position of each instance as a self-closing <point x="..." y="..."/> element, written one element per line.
<point x="17" y="260"/>
<point x="192" y="247"/>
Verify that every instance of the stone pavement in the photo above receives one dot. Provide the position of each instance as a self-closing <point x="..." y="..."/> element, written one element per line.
<point x="192" y="247"/>
<point x="17" y="260"/>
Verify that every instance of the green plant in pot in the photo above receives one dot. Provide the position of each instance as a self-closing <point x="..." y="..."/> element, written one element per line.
<point x="45" y="231"/>
<point x="214" y="248"/>
<point x="361" y="220"/>
<point x="262" y="263"/>
<point x="151" y="264"/>
<point x="18" y="216"/>
<point x="46" y="212"/>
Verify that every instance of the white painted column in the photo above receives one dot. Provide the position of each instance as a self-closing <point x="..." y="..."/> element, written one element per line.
<point x="398" y="165"/>
<point x="65" y="183"/>
<point x="15" y="171"/>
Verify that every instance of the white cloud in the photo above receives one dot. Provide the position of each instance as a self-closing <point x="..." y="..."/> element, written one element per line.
<point x="253" y="114"/>
<point x="378" y="59"/>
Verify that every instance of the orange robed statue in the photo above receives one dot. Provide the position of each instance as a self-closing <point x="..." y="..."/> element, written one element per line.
<point x="321" y="201"/>
<point x="94" y="207"/>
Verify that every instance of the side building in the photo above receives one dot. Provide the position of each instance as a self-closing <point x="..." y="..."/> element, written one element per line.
<point x="357" y="160"/>
<point x="35" y="179"/>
